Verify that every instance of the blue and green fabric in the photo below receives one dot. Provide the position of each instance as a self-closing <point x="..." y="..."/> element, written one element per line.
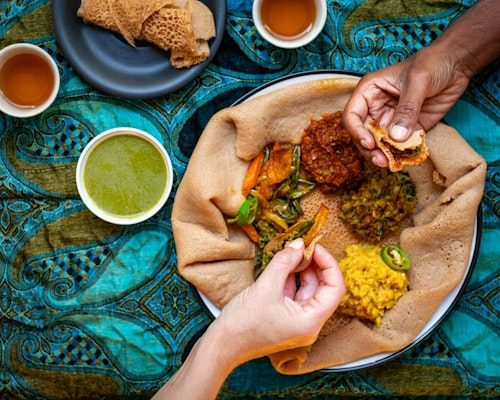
<point x="93" y="310"/>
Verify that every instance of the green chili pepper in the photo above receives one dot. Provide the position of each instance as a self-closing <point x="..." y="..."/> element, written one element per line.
<point x="395" y="258"/>
<point x="302" y="229"/>
<point x="248" y="211"/>
<point x="285" y="209"/>
<point x="283" y="189"/>
<point x="295" y="165"/>
<point x="296" y="205"/>
<point x="302" y="187"/>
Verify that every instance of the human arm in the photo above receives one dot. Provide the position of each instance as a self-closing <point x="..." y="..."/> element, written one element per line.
<point x="269" y="316"/>
<point x="417" y="92"/>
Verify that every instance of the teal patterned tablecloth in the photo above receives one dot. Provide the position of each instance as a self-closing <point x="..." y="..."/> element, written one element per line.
<point x="91" y="310"/>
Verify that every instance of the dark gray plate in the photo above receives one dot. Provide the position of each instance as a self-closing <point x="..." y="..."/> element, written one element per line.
<point x="106" y="61"/>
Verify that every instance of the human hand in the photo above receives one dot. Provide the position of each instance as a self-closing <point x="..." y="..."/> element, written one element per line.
<point x="269" y="316"/>
<point x="273" y="315"/>
<point x="410" y="95"/>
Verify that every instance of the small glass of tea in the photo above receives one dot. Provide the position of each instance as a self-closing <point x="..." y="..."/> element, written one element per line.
<point x="289" y="23"/>
<point x="29" y="80"/>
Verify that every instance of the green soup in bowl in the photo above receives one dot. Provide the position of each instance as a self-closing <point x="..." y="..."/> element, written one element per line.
<point x="124" y="175"/>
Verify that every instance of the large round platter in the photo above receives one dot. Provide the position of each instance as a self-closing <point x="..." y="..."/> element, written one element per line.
<point x="105" y="60"/>
<point x="446" y="305"/>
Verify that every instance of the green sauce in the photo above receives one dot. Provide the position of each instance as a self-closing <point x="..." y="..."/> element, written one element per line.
<point x="125" y="175"/>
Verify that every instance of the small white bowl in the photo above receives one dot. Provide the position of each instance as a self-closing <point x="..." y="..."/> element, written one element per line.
<point x="13" y="109"/>
<point x="308" y="37"/>
<point x="115" y="170"/>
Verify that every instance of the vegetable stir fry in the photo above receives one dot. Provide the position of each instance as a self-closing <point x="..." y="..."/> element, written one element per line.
<point x="379" y="205"/>
<point x="270" y="215"/>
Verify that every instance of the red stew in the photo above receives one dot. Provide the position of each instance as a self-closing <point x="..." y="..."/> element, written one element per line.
<point x="328" y="155"/>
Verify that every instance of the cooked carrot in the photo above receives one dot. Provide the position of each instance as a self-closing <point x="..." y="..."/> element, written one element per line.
<point x="251" y="232"/>
<point x="319" y="220"/>
<point x="252" y="174"/>
<point x="276" y="169"/>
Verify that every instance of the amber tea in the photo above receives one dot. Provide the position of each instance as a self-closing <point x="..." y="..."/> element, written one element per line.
<point x="288" y="19"/>
<point x="26" y="80"/>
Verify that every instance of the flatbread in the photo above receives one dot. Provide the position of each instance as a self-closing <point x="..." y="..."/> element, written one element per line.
<point x="203" y="28"/>
<point x="170" y="29"/>
<point x="412" y="151"/>
<point x="182" y="27"/>
<point x="219" y="258"/>
<point x="125" y="17"/>
<point x="308" y="255"/>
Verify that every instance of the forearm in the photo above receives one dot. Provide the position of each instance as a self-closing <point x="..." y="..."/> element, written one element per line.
<point x="472" y="40"/>
<point x="204" y="371"/>
<point x="270" y="315"/>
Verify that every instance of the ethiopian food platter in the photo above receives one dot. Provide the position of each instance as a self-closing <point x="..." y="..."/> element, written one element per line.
<point x="278" y="165"/>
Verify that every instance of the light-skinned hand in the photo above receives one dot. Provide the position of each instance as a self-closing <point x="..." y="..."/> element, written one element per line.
<point x="270" y="315"/>
<point x="287" y="316"/>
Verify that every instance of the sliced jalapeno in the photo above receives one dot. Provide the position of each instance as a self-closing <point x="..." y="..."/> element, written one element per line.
<point x="395" y="257"/>
<point x="247" y="211"/>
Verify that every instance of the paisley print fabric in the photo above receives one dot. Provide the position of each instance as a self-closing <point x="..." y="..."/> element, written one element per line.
<point x="90" y="310"/>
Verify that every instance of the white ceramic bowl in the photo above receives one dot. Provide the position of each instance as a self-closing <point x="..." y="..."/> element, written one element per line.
<point x="26" y="48"/>
<point x="317" y="27"/>
<point x="113" y="171"/>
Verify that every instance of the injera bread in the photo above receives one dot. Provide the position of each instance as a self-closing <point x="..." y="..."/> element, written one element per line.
<point x="122" y="16"/>
<point x="170" y="29"/>
<point x="204" y="28"/>
<point x="385" y="143"/>
<point x="180" y="26"/>
<point x="218" y="259"/>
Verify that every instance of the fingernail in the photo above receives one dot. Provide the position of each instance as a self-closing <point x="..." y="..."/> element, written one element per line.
<point x="375" y="161"/>
<point x="296" y="244"/>
<point x="399" y="132"/>
<point x="364" y="143"/>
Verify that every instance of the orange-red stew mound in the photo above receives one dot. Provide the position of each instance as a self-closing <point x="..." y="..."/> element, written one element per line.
<point x="328" y="155"/>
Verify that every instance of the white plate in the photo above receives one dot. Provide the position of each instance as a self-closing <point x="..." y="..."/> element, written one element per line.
<point x="449" y="301"/>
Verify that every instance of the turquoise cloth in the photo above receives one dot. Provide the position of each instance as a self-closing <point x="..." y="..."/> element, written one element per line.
<point x="93" y="310"/>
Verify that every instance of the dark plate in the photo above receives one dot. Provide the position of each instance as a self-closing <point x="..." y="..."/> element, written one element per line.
<point x="106" y="61"/>
<point x="448" y="302"/>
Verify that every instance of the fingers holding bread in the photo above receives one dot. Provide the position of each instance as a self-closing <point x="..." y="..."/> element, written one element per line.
<point x="412" y="151"/>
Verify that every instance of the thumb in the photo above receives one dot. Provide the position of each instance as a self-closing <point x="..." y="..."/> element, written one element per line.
<point x="407" y="112"/>
<point x="284" y="262"/>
